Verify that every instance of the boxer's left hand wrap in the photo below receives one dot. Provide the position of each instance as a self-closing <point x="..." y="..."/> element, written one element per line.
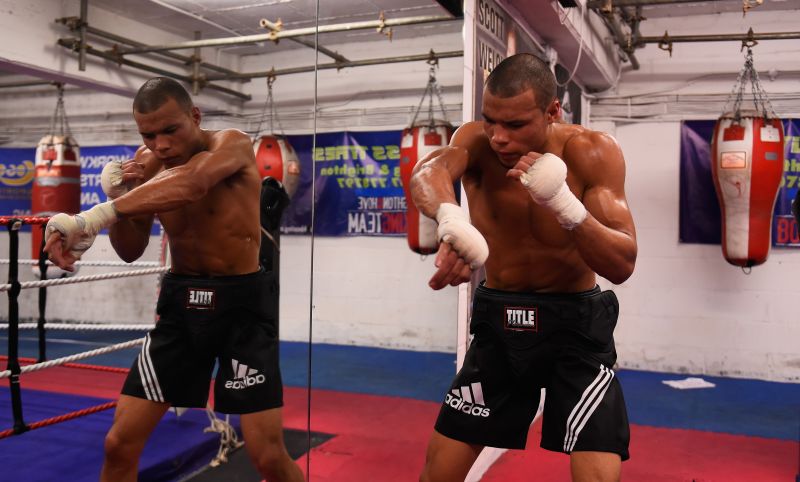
<point x="78" y="231"/>
<point x="111" y="180"/>
<point x="455" y="229"/>
<point x="546" y="181"/>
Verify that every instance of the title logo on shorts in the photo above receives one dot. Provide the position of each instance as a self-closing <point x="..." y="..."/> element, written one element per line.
<point x="522" y="318"/>
<point x="200" y="299"/>
<point x="244" y="376"/>
<point x="468" y="399"/>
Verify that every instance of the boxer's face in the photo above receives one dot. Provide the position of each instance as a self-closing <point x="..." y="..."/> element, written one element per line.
<point x="171" y="133"/>
<point x="516" y="125"/>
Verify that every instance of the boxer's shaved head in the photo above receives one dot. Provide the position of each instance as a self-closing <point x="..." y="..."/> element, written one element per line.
<point x="520" y="72"/>
<point x="157" y="91"/>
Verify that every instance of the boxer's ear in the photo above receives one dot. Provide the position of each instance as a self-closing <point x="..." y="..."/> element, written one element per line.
<point x="196" y="116"/>
<point x="553" y="111"/>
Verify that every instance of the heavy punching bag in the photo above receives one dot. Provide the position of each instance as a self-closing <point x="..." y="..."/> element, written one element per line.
<point x="418" y="141"/>
<point x="276" y="158"/>
<point x="747" y="165"/>
<point x="56" y="182"/>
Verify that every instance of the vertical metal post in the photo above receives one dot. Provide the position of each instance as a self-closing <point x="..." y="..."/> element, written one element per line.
<point x="82" y="32"/>
<point x="42" y="297"/>
<point x="13" y="325"/>
<point x="196" y="66"/>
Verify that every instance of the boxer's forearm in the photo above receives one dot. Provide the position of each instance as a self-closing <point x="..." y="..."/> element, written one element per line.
<point x="432" y="182"/>
<point x="608" y="252"/>
<point x="168" y="190"/>
<point x="130" y="236"/>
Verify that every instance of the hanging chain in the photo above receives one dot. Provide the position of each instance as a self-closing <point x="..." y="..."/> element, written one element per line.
<point x="433" y="88"/>
<point x="269" y="104"/>
<point x="761" y="102"/>
<point x="60" y="116"/>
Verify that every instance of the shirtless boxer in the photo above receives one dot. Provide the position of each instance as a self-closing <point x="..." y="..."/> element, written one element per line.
<point x="216" y="302"/>
<point x="548" y="211"/>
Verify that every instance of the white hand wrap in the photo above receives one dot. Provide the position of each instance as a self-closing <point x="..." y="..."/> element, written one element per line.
<point x="78" y="231"/>
<point x="455" y="229"/>
<point x="111" y="180"/>
<point x="546" y="181"/>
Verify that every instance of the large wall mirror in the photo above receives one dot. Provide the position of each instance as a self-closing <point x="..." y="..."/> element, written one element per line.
<point x="383" y="342"/>
<point x="339" y="98"/>
<point x="80" y="96"/>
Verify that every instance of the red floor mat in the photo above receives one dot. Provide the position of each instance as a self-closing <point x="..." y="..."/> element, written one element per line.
<point x="665" y="455"/>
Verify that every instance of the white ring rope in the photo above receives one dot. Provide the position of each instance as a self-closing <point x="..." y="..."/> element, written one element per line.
<point x="71" y="358"/>
<point x="84" y="326"/>
<point x="80" y="279"/>
<point x="135" y="264"/>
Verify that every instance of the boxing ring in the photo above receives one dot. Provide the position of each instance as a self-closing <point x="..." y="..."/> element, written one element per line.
<point x="14" y="287"/>
<point x="17" y="366"/>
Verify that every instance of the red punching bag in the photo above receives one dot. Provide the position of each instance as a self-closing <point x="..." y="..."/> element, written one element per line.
<point x="56" y="182"/>
<point x="418" y="141"/>
<point x="747" y="167"/>
<point x="277" y="158"/>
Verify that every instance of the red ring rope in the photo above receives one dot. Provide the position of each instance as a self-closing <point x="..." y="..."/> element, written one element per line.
<point x="62" y="418"/>
<point x="6" y="220"/>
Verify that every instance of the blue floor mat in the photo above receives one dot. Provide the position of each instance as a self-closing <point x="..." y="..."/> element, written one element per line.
<point x="736" y="406"/>
<point x="73" y="450"/>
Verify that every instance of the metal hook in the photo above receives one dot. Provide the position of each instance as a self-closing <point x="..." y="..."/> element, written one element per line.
<point x="749" y="42"/>
<point x="382" y="26"/>
<point x="665" y="43"/>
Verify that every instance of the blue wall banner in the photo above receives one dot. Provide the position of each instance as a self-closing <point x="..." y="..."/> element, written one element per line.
<point x="356" y="179"/>
<point x="700" y="218"/>
<point x="16" y="181"/>
<point x="357" y="184"/>
<point x="17" y="172"/>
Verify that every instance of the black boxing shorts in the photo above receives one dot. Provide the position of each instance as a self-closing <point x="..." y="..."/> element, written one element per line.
<point x="232" y="319"/>
<point x="525" y="342"/>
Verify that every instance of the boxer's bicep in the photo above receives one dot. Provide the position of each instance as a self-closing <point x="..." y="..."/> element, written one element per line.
<point x="603" y="171"/>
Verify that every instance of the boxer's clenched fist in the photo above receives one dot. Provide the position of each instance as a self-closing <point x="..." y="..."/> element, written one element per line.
<point x="119" y="177"/>
<point x="456" y="230"/>
<point x="68" y="237"/>
<point x="545" y="178"/>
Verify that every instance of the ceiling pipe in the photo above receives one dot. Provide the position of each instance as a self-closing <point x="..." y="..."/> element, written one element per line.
<point x="84" y="21"/>
<point x="666" y="38"/>
<point x="73" y="24"/>
<point x="276" y="27"/>
<point x="72" y="44"/>
<point x="274" y="36"/>
<point x="27" y="83"/>
<point x="351" y="63"/>
<point x="609" y="4"/>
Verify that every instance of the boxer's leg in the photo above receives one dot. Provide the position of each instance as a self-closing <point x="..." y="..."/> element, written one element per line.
<point x="595" y="466"/>
<point x="448" y="460"/>
<point x="263" y="437"/>
<point x="134" y="421"/>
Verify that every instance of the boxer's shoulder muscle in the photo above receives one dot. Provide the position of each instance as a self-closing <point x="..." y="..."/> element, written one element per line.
<point x="230" y="139"/>
<point x="593" y="156"/>
<point x="152" y="165"/>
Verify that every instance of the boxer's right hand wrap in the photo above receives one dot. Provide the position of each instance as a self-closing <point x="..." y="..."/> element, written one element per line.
<point x="78" y="231"/>
<point x="454" y="228"/>
<point x="546" y="181"/>
<point x="111" y="180"/>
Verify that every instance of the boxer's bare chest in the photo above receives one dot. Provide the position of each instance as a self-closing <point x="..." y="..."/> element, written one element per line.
<point x="527" y="247"/>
